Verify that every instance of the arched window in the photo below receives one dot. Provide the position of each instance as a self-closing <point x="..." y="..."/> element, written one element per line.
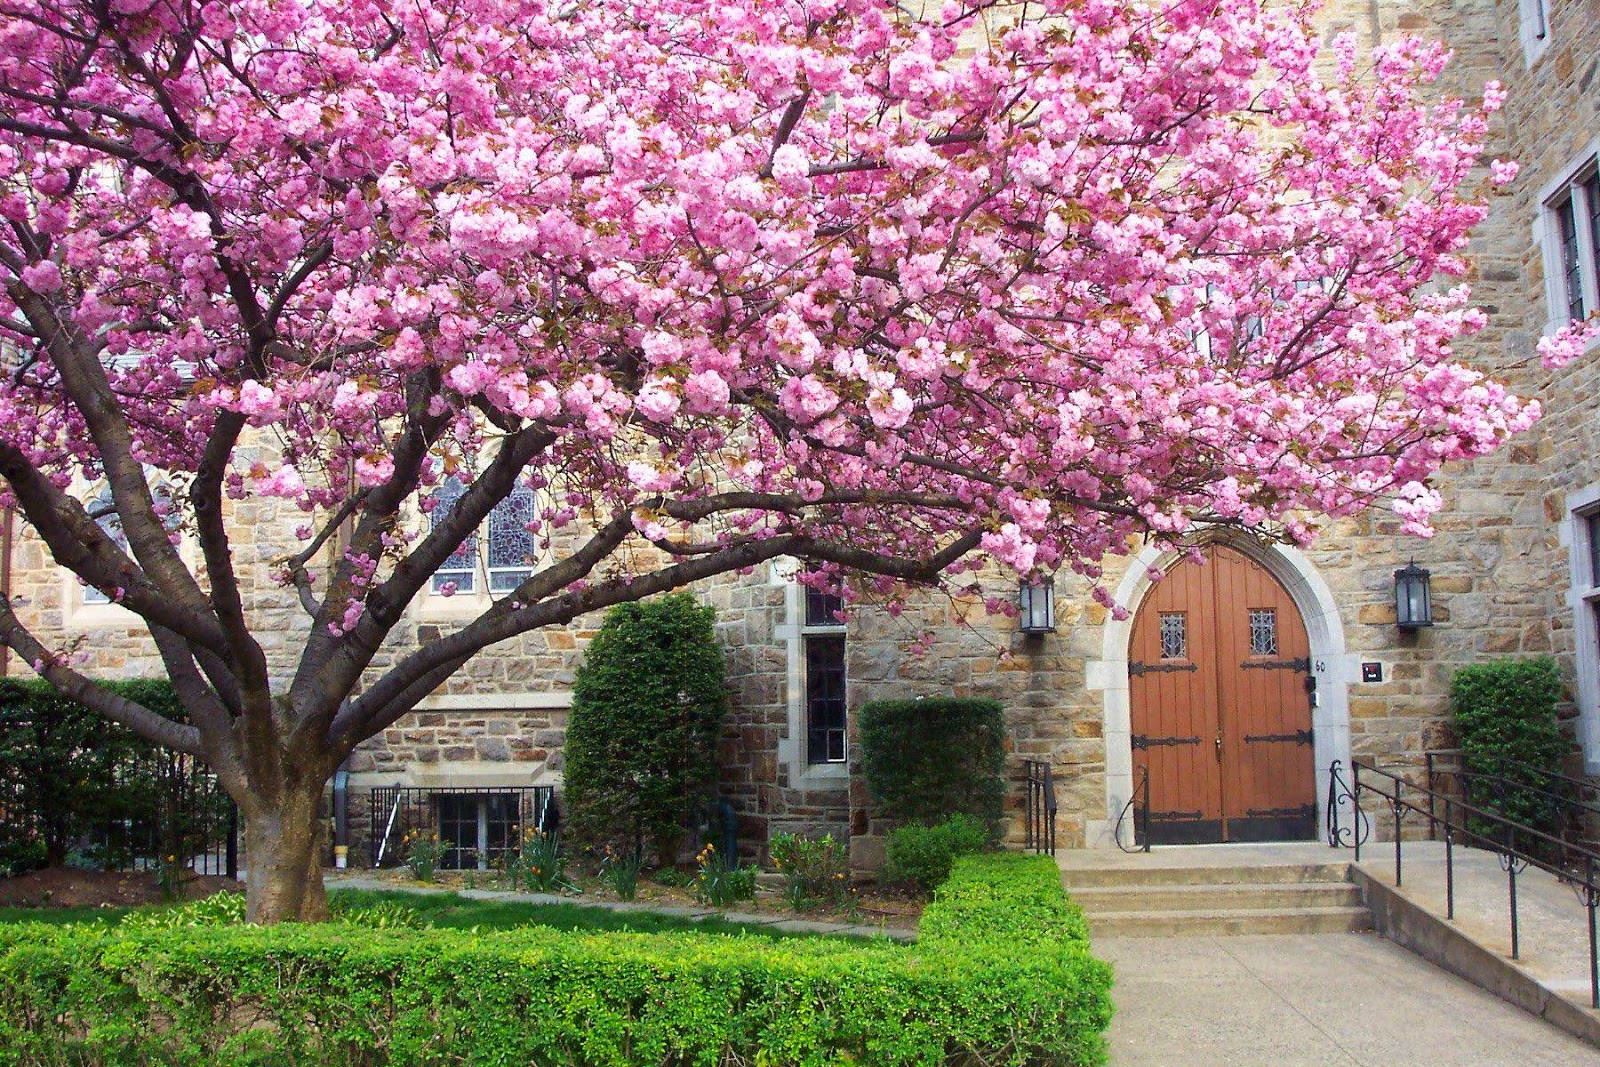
<point x="103" y="510"/>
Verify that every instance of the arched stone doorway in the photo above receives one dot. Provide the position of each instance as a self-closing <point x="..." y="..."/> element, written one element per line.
<point x="1330" y="667"/>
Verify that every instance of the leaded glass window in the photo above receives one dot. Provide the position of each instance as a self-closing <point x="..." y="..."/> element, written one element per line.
<point x="825" y="677"/>
<point x="825" y="698"/>
<point x="460" y="570"/>
<point x="823" y="609"/>
<point x="1263" y="632"/>
<point x="1174" y="635"/>
<point x="1571" y="259"/>
<point x="512" y="547"/>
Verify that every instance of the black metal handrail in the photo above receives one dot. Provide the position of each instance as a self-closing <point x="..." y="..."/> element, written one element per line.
<point x="1138" y="806"/>
<point x="1513" y="843"/>
<point x="1041" y="807"/>
<point x="1565" y="802"/>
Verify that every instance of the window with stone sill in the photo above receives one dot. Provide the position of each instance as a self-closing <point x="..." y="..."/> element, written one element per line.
<point x="498" y="559"/>
<point x="1572" y="240"/>
<point x="823" y="639"/>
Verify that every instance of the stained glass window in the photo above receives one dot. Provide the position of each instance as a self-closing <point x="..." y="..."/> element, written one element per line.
<point x="512" y="546"/>
<point x="1263" y="632"/>
<point x="1174" y="635"/>
<point x="460" y="570"/>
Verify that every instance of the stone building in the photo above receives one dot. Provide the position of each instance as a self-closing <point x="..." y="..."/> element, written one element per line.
<point x="1515" y="569"/>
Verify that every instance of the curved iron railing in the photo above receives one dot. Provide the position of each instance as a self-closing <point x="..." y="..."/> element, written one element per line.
<point x="1340" y="796"/>
<point x="1138" y="806"/>
<point x="1516" y="845"/>
<point x="1041" y="805"/>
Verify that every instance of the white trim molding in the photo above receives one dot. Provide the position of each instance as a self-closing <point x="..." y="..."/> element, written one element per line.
<point x="1583" y="598"/>
<point x="1331" y="665"/>
<point x="1533" y="29"/>
<point x="1565" y="186"/>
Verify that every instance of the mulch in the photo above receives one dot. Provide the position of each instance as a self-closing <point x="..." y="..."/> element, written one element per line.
<point x="69" y="887"/>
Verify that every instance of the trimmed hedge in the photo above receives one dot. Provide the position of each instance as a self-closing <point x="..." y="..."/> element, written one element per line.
<point x="641" y="742"/>
<point x="1506" y="710"/>
<point x="927" y="759"/>
<point x="1002" y="975"/>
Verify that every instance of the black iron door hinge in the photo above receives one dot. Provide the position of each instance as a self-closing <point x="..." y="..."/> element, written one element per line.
<point x="1299" y="737"/>
<point x="1303" y="664"/>
<point x="1138" y="667"/>
<point x="1140" y="741"/>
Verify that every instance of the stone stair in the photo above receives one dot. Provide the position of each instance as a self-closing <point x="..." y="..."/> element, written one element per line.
<point x="1128" y="900"/>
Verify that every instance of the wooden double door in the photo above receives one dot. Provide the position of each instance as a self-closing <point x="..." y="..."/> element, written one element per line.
<point x="1219" y="677"/>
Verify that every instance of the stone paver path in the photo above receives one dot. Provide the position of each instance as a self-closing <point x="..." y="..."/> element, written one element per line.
<point x="1338" y="1000"/>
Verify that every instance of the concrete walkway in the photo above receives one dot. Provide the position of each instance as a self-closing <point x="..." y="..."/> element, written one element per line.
<point x="1554" y="924"/>
<point x="1337" y="1000"/>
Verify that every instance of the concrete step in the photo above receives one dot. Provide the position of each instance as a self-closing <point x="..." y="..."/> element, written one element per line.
<point x="1075" y="878"/>
<point x="1223" y="897"/>
<point x="1229" y="921"/>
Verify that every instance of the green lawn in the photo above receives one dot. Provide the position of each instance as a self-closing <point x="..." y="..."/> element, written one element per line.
<point x="61" y="915"/>
<point x="453" y="911"/>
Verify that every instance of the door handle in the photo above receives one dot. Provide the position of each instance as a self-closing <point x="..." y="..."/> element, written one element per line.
<point x="1219" y="748"/>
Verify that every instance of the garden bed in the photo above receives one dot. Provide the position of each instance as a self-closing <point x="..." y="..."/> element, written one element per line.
<point x="73" y="887"/>
<point x="1002" y="974"/>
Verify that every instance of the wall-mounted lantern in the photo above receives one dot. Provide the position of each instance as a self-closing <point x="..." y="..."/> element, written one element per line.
<point x="1413" y="605"/>
<point x="1038" y="603"/>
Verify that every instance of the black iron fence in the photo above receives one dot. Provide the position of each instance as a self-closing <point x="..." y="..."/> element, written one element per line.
<point x="477" y="827"/>
<point x="143" y="810"/>
<point x="1518" y="846"/>
<point x="1041" y="807"/>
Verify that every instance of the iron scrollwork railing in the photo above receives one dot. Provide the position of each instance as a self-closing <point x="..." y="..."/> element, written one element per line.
<point x="1041" y="806"/>
<point x="1138" y="806"/>
<point x="1516" y="845"/>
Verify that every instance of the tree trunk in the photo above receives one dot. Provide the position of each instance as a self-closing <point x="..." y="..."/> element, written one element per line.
<point x="283" y="858"/>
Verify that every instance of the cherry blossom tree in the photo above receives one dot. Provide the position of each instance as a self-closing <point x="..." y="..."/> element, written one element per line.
<point x="898" y="293"/>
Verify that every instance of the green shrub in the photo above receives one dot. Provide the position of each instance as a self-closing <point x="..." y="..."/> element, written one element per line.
<point x="647" y="705"/>
<point x="227" y="909"/>
<point x="1001" y="976"/>
<point x="812" y="868"/>
<point x="922" y="857"/>
<point x="1506" y="715"/>
<point x="926" y="759"/>
<point x="72" y="773"/>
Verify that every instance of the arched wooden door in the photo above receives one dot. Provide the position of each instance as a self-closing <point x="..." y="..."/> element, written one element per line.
<point x="1218" y="678"/>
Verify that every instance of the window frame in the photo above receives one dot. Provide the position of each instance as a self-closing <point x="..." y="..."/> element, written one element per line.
<point x="1582" y="530"/>
<point x="1575" y="193"/>
<point x="1533" y="29"/>
<point x="484" y="576"/>
<point x="831" y="630"/>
